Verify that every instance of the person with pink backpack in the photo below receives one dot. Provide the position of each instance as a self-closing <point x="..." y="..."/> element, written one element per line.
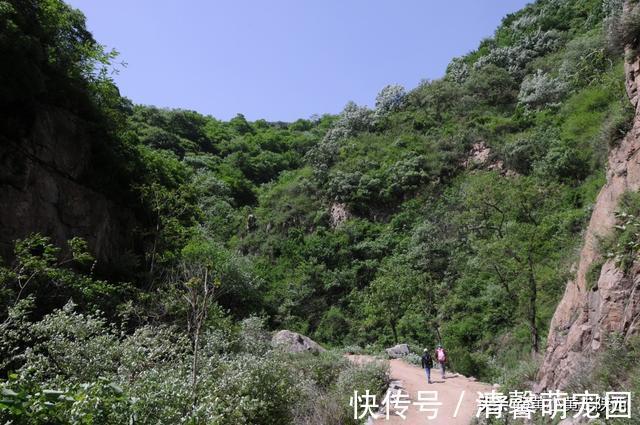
<point x="441" y="357"/>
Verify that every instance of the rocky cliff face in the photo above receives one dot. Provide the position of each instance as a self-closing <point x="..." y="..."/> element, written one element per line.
<point x="584" y="318"/>
<point x="41" y="189"/>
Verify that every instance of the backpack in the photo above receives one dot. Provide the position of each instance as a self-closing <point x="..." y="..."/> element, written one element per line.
<point x="426" y="360"/>
<point x="442" y="357"/>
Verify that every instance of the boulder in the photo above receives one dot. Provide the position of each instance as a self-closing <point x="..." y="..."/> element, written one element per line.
<point x="399" y="350"/>
<point x="293" y="342"/>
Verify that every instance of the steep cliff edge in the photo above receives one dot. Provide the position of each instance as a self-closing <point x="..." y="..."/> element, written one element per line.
<point x="585" y="317"/>
<point x="42" y="188"/>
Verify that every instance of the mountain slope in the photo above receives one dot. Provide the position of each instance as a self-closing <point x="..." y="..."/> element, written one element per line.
<point x="452" y="212"/>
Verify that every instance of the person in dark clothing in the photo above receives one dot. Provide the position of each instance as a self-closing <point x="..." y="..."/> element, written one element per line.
<point x="427" y="363"/>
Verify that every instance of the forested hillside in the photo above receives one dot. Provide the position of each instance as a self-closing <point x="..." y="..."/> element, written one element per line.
<point x="452" y="211"/>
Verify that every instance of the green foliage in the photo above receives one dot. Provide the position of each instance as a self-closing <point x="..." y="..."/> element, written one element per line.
<point x="100" y="402"/>
<point x="333" y="325"/>
<point x="630" y="27"/>
<point x="585" y="60"/>
<point x="524" y="150"/>
<point x="593" y="274"/>
<point x="622" y="246"/>
<point x="393" y="294"/>
<point x="365" y="228"/>
<point x="492" y="84"/>
<point x="539" y="90"/>
<point x="99" y="375"/>
<point x="239" y="154"/>
<point x="602" y="371"/>
<point x="42" y="271"/>
<point x="47" y="44"/>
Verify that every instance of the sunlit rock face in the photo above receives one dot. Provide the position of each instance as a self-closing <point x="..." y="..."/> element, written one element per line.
<point x="587" y="316"/>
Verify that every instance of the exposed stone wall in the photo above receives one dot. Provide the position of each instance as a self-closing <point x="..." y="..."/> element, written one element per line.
<point x="41" y="189"/>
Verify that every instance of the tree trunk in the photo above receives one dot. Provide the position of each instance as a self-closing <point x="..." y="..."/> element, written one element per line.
<point x="533" y="296"/>
<point x="395" y="332"/>
<point x="194" y="365"/>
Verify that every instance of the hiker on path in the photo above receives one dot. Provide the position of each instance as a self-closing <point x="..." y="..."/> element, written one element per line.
<point x="427" y="364"/>
<point x="441" y="357"/>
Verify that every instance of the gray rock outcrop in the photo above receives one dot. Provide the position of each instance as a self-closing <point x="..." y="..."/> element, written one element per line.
<point x="43" y="189"/>
<point x="397" y="351"/>
<point x="293" y="342"/>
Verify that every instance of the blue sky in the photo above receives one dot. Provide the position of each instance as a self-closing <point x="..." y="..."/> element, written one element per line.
<point x="283" y="59"/>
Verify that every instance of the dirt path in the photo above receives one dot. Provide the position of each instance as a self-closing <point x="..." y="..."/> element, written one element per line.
<point x="449" y="392"/>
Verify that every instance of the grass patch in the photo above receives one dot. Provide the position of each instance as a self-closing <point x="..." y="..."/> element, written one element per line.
<point x="624" y="243"/>
<point x="593" y="274"/>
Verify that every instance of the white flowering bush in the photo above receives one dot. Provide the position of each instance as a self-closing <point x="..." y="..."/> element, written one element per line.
<point x="525" y="22"/>
<point x="457" y="70"/>
<point x="25" y="401"/>
<point x="76" y="368"/>
<point x="355" y="118"/>
<point x="329" y="381"/>
<point x="540" y="89"/>
<point x="514" y="58"/>
<point x="253" y="337"/>
<point x="249" y="389"/>
<point x="413" y="359"/>
<point x="324" y="154"/>
<point x="390" y="99"/>
<point x="66" y="346"/>
<point x="352" y="120"/>
<point x="352" y="349"/>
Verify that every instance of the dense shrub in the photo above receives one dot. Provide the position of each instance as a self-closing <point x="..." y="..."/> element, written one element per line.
<point x="521" y="153"/>
<point x="390" y="99"/>
<point x="622" y="246"/>
<point x="630" y="27"/>
<point x="457" y="70"/>
<point x="493" y="84"/>
<point x="598" y="374"/>
<point x="514" y="58"/>
<point x="96" y="374"/>
<point x="332" y="326"/>
<point x="585" y="60"/>
<point x="564" y="163"/>
<point x="540" y="90"/>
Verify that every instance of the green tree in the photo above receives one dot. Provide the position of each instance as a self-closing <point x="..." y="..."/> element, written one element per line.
<point x="391" y="294"/>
